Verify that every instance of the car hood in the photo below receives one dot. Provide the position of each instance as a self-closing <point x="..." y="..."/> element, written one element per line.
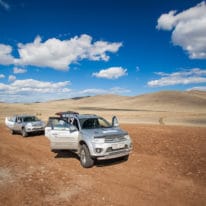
<point x="103" y="132"/>
<point x="36" y="123"/>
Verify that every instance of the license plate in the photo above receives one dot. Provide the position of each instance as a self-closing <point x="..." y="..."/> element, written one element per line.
<point x="117" y="146"/>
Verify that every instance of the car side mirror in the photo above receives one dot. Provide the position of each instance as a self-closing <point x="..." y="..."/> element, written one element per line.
<point x="115" y="122"/>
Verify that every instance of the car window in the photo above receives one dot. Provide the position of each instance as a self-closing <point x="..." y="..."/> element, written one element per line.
<point x="90" y="124"/>
<point x="58" y="123"/>
<point x="94" y="123"/>
<point x="30" y="119"/>
<point x="62" y="124"/>
<point x="103" y="123"/>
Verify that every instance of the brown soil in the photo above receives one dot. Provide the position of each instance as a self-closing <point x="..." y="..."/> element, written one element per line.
<point x="167" y="167"/>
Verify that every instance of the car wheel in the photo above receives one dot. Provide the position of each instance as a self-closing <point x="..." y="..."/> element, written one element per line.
<point x="12" y="131"/>
<point x="24" y="133"/>
<point x="85" y="157"/>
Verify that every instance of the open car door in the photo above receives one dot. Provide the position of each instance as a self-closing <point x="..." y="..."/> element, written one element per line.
<point x="10" y="122"/>
<point x="62" y="135"/>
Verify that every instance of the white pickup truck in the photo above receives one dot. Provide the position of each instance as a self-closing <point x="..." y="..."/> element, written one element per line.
<point x="90" y="136"/>
<point x="24" y="124"/>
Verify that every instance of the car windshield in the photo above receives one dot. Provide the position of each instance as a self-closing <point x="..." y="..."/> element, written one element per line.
<point x="56" y="122"/>
<point x="30" y="119"/>
<point x="94" y="123"/>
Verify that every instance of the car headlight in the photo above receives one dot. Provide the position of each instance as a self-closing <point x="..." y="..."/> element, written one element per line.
<point x="98" y="140"/>
<point x="29" y="125"/>
<point x="127" y="137"/>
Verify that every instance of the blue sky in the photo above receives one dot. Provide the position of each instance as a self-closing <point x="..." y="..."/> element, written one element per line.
<point x="68" y="48"/>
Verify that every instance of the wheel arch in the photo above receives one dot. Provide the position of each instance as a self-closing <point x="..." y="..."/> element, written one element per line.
<point x="81" y="142"/>
<point x="88" y="144"/>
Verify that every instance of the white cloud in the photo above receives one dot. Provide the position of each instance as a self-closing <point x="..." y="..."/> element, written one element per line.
<point x="32" y="85"/>
<point x="95" y="91"/>
<point x="5" y="5"/>
<point x="201" y="88"/>
<point x="59" y="54"/>
<point x="137" y="68"/>
<point x="29" y="90"/>
<point x="111" y="73"/>
<point x="98" y="50"/>
<point x="5" y="55"/>
<point x="12" y="78"/>
<point x="2" y="76"/>
<point x="17" y="70"/>
<point x="192" y="76"/>
<point x="189" y="30"/>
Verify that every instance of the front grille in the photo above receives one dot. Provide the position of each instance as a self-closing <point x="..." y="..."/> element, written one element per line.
<point x="109" y="149"/>
<point x="117" y="152"/>
<point x="114" y="138"/>
<point x="37" y="124"/>
<point x="37" y="128"/>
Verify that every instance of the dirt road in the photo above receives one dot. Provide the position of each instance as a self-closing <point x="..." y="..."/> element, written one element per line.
<point x="167" y="167"/>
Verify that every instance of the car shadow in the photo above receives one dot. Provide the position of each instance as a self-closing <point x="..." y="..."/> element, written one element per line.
<point x="29" y="135"/>
<point x="110" y="162"/>
<point x="98" y="163"/>
<point x="65" y="154"/>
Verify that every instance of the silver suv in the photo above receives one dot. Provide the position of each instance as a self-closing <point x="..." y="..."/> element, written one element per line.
<point x="90" y="136"/>
<point x="24" y="124"/>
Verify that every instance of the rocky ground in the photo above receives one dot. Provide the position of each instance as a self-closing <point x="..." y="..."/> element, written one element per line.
<point x="167" y="167"/>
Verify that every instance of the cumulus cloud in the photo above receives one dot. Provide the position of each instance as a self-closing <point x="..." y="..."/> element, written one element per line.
<point x="5" y="55"/>
<point x="192" y="76"/>
<point x="96" y="91"/>
<point x="111" y="73"/>
<point x="17" y="70"/>
<point x="2" y="76"/>
<point x="5" y="5"/>
<point x="33" y="90"/>
<point x="31" y="85"/>
<point x="201" y="88"/>
<point x="12" y="78"/>
<point x="188" y="29"/>
<point x="59" y="54"/>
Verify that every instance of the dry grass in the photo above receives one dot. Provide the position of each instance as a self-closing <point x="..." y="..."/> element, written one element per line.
<point x="168" y="107"/>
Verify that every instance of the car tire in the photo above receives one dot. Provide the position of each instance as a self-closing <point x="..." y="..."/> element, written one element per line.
<point x="85" y="157"/>
<point x="24" y="133"/>
<point x="12" y="132"/>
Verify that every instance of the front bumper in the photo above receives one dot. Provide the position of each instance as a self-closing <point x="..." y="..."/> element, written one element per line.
<point x="35" y="129"/>
<point x="114" y="154"/>
<point x="111" y="150"/>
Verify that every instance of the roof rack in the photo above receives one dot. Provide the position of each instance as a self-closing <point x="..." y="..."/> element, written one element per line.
<point x="67" y="113"/>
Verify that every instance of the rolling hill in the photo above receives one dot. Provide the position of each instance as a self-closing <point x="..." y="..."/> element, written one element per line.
<point x="172" y="107"/>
